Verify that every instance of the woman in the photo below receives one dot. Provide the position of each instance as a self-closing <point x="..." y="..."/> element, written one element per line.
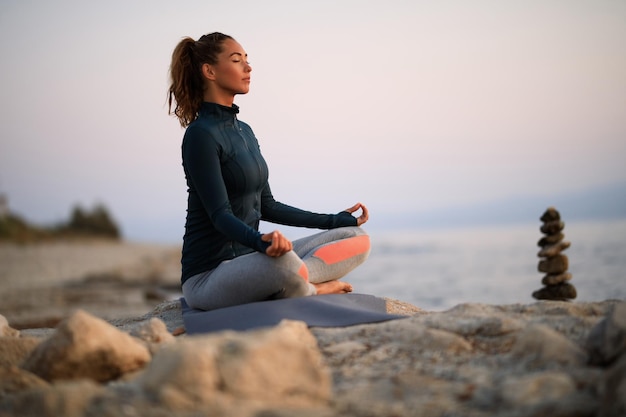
<point x="225" y="259"/>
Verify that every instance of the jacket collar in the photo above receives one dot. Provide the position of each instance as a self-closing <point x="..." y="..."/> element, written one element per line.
<point x="217" y="110"/>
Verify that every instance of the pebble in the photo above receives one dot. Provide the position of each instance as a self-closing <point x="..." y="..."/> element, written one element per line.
<point x="554" y="265"/>
<point x="551" y="214"/>
<point x="552" y="228"/>
<point x="559" y="292"/>
<point x="549" y="251"/>
<point x="550" y="240"/>
<point x="553" y="279"/>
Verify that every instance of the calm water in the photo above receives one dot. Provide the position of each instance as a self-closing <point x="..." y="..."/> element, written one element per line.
<point x="436" y="270"/>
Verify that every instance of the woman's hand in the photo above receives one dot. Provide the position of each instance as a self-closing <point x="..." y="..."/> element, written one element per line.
<point x="280" y="245"/>
<point x="364" y="213"/>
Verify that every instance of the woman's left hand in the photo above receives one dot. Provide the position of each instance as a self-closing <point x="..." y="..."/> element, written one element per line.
<point x="364" y="213"/>
<point x="280" y="245"/>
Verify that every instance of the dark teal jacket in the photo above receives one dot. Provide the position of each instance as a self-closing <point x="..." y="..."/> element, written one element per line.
<point x="229" y="193"/>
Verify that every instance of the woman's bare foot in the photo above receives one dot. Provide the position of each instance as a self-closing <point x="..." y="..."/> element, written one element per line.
<point x="333" y="287"/>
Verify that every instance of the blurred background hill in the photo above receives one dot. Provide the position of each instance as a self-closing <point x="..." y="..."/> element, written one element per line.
<point x="81" y="223"/>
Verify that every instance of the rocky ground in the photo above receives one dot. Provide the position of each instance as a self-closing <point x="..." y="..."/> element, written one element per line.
<point x="548" y="358"/>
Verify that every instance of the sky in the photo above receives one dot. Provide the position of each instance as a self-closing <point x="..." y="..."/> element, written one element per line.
<point x="406" y="106"/>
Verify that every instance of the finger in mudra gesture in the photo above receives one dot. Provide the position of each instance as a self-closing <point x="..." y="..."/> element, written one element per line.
<point x="364" y="217"/>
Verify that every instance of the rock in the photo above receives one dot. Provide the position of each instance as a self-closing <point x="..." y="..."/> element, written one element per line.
<point x="553" y="279"/>
<point x="38" y="333"/>
<point x="344" y="350"/>
<point x="14" y="380"/>
<point x="551" y="214"/>
<point x="538" y="388"/>
<point x="573" y="320"/>
<point x="281" y="364"/>
<point x="154" y="333"/>
<point x="6" y="330"/>
<point x="398" y="369"/>
<point x="409" y="334"/>
<point x="84" y="346"/>
<point x="291" y="412"/>
<point x="559" y="292"/>
<point x="614" y="401"/>
<point x="379" y="368"/>
<point x="555" y="265"/>
<point x="67" y="399"/>
<point x="552" y="228"/>
<point x="554" y="249"/>
<point x="13" y="350"/>
<point x="550" y="240"/>
<point x="472" y="320"/>
<point x="607" y="339"/>
<point x="542" y="345"/>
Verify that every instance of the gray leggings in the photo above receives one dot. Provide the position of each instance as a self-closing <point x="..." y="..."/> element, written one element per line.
<point x="321" y="257"/>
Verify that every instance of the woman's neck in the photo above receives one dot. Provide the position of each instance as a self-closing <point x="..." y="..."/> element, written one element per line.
<point x="224" y="99"/>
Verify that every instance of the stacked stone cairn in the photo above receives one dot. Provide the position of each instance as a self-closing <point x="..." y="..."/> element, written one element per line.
<point x="553" y="263"/>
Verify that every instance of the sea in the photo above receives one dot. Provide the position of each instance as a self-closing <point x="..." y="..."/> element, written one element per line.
<point x="439" y="269"/>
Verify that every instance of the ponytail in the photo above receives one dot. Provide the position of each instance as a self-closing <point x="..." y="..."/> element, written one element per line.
<point x="186" y="90"/>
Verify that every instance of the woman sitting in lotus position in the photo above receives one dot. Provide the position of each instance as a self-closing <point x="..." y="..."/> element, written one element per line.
<point x="226" y="261"/>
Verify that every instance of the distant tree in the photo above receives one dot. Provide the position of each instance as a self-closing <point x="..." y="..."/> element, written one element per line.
<point x="98" y="222"/>
<point x="82" y="223"/>
<point x="14" y="228"/>
<point x="78" y="220"/>
<point x="11" y="226"/>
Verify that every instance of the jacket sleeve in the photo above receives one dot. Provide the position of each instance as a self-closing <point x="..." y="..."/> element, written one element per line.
<point x="202" y="164"/>
<point x="277" y="212"/>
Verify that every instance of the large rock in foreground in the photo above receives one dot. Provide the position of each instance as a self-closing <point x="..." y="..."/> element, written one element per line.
<point x="281" y="365"/>
<point x="84" y="346"/>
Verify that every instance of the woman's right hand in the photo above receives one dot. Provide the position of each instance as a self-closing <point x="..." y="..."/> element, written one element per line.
<point x="280" y="245"/>
<point x="365" y="215"/>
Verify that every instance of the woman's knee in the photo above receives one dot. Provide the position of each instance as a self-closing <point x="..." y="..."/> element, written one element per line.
<point x="353" y="244"/>
<point x="292" y="276"/>
<point x="351" y="231"/>
<point x="360" y="239"/>
<point x="291" y="266"/>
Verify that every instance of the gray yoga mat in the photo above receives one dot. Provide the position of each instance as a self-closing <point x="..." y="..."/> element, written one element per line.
<point x="332" y="310"/>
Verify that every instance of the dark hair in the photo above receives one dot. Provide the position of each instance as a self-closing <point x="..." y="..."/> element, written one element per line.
<point x="187" y="87"/>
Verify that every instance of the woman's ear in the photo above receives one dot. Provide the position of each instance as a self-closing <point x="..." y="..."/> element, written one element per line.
<point x="208" y="71"/>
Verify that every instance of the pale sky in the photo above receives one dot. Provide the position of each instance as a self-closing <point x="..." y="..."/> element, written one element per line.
<point x="403" y="105"/>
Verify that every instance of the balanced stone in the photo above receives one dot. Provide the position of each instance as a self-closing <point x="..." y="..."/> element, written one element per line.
<point x="560" y="292"/>
<point x="553" y="227"/>
<point x="549" y="251"/>
<point x="553" y="279"/>
<point x="550" y="240"/>
<point x="551" y="214"/>
<point x="554" y="265"/>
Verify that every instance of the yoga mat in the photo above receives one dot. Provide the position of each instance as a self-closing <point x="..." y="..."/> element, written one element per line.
<point x="331" y="310"/>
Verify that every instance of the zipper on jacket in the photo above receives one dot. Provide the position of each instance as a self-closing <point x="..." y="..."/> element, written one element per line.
<point x="239" y="130"/>
<point x="245" y="142"/>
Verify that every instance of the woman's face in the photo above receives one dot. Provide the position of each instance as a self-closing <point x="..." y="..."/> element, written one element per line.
<point x="232" y="71"/>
